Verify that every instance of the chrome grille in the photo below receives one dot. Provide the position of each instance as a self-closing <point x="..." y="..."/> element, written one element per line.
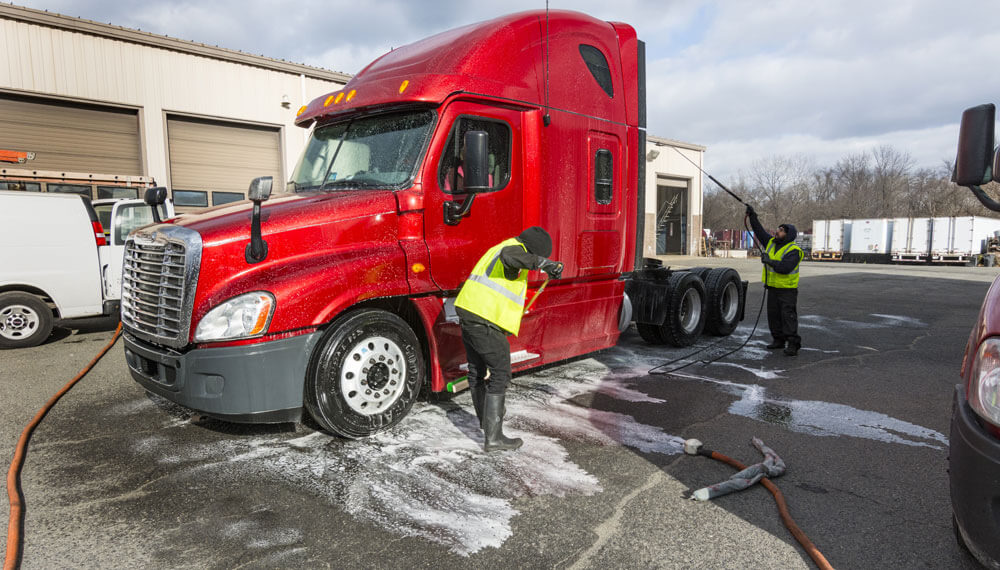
<point x="159" y="275"/>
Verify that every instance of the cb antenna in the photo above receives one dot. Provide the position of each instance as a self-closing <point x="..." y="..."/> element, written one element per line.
<point x="546" y="118"/>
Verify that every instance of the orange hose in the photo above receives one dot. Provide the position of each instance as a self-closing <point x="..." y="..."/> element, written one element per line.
<point x="14" y="526"/>
<point x="786" y="517"/>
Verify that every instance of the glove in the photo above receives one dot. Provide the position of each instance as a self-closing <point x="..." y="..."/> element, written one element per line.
<point x="766" y="260"/>
<point x="553" y="269"/>
<point x="750" y="211"/>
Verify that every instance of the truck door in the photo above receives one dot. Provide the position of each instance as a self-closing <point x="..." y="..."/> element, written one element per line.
<point x="495" y="214"/>
<point x="601" y="235"/>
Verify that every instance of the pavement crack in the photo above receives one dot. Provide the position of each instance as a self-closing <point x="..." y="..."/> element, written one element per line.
<point x="609" y="527"/>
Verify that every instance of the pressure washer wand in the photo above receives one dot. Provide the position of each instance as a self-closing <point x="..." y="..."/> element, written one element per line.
<point x="535" y="298"/>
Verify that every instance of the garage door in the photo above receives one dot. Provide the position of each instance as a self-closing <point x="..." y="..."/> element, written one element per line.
<point x="70" y="137"/>
<point x="213" y="162"/>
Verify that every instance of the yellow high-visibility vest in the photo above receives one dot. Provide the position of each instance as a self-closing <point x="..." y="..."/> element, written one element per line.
<point x="489" y="294"/>
<point x="781" y="280"/>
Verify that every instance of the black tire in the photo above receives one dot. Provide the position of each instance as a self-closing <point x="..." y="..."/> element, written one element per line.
<point x="958" y="534"/>
<point x="355" y="398"/>
<point x="685" y="309"/>
<point x="701" y="272"/>
<point x="25" y="320"/>
<point x="650" y="333"/>
<point x="724" y="303"/>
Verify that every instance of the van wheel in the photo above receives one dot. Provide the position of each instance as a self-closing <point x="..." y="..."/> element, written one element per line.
<point x="723" y="305"/>
<point x="24" y="320"/>
<point x="365" y="374"/>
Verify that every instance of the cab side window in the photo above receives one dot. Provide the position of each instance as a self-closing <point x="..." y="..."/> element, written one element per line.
<point x="450" y="175"/>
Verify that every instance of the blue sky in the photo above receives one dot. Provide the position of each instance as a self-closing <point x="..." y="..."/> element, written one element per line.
<point x="747" y="79"/>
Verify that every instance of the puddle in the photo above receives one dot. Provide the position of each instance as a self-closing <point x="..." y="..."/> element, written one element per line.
<point x="824" y="419"/>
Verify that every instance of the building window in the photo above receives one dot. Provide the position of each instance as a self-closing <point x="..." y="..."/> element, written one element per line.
<point x="191" y="198"/>
<point x="226" y="197"/>
<point x="69" y="189"/>
<point x="20" y="185"/>
<point x="603" y="182"/>
<point x="598" y="66"/>
<point x="117" y="192"/>
<point x="450" y="176"/>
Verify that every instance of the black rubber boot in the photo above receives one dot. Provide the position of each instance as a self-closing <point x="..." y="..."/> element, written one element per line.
<point x="792" y="350"/>
<point x="493" y="426"/>
<point x="776" y="345"/>
<point x="479" y="401"/>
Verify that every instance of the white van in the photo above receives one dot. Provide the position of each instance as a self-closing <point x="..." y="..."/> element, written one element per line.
<point x="56" y="263"/>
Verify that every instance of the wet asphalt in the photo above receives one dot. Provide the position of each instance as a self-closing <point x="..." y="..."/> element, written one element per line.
<point x="116" y="478"/>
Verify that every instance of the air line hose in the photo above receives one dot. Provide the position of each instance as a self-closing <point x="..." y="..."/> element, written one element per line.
<point x="15" y="525"/>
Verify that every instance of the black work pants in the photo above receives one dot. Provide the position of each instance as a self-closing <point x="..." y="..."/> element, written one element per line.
<point x="782" y="316"/>
<point x="487" y="350"/>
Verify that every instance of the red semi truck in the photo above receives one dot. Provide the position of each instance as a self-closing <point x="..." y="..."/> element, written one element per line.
<point x="336" y="296"/>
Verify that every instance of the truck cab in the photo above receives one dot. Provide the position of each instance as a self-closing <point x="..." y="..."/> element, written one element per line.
<point x="347" y="313"/>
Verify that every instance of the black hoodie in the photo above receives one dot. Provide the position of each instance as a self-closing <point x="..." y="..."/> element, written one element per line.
<point x="791" y="258"/>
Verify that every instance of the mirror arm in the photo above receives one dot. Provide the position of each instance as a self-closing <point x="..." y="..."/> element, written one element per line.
<point x="453" y="213"/>
<point x="256" y="250"/>
<point x="984" y="198"/>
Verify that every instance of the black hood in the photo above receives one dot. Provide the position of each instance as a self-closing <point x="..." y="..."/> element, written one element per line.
<point x="537" y="241"/>
<point x="790" y="233"/>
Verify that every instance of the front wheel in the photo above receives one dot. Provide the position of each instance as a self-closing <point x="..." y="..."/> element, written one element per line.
<point x="24" y="320"/>
<point x="365" y="374"/>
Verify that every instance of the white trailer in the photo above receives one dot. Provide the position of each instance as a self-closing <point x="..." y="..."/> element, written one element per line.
<point x="910" y="239"/>
<point x="831" y="238"/>
<point x="959" y="239"/>
<point x="870" y="239"/>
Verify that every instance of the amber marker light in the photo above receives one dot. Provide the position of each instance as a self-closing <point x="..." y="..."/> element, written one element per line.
<point x="351" y="94"/>
<point x="328" y="101"/>
<point x="340" y="97"/>
<point x="404" y="85"/>
<point x="418" y="268"/>
<point x="302" y="109"/>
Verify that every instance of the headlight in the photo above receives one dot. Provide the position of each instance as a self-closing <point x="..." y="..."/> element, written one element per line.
<point x="240" y="317"/>
<point x="984" y="386"/>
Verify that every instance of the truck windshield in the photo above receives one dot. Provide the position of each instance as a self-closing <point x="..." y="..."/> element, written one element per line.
<point x="378" y="151"/>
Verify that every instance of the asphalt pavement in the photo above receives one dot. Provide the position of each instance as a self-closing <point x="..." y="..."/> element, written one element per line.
<point x="116" y="478"/>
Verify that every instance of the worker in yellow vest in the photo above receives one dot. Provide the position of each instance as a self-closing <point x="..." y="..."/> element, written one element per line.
<point x="489" y="307"/>
<point x="781" y="258"/>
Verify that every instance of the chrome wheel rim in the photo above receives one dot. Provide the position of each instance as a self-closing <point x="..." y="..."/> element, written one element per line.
<point x="690" y="310"/>
<point x="18" y="322"/>
<point x="730" y="302"/>
<point x="373" y="375"/>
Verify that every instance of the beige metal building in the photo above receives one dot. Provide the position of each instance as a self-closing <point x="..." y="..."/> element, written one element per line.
<point x="106" y="110"/>
<point x="673" y="197"/>
<point x="98" y="107"/>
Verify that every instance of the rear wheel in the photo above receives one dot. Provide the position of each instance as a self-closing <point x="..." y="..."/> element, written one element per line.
<point x="365" y="375"/>
<point x="24" y="320"/>
<point x="723" y="305"/>
<point x="685" y="315"/>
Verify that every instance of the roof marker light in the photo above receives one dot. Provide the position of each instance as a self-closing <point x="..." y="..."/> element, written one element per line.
<point x="340" y="96"/>
<point x="404" y="85"/>
<point x="351" y="94"/>
<point x="328" y="101"/>
<point x="302" y="109"/>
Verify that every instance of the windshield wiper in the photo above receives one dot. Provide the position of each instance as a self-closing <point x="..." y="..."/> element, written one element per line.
<point x="354" y="182"/>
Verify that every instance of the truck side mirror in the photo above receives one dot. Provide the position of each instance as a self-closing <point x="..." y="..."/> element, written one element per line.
<point x="260" y="189"/>
<point x="475" y="175"/>
<point x="975" y="147"/>
<point x="155" y="197"/>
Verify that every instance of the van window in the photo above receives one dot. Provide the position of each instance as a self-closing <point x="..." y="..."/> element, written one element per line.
<point x="69" y="189"/>
<point x="191" y="198"/>
<point x="132" y="217"/>
<point x="603" y="185"/>
<point x="598" y="66"/>
<point x="450" y="173"/>
<point x="117" y="192"/>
